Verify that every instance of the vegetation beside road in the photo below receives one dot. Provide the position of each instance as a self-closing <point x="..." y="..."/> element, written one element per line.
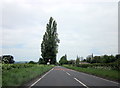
<point x="106" y="66"/>
<point x="98" y="71"/>
<point x="18" y="74"/>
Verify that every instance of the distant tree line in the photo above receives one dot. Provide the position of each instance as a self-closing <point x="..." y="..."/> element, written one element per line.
<point x="32" y="62"/>
<point x="94" y="59"/>
<point x="103" y="59"/>
<point x="63" y="60"/>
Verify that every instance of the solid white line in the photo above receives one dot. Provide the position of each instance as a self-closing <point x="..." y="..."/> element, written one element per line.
<point x="68" y="73"/>
<point x="80" y="82"/>
<point x="105" y="79"/>
<point x="97" y="77"/>
<point x="40" y="78"/>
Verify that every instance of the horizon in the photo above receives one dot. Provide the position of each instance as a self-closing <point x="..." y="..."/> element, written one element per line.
<point x="57" y="61"/>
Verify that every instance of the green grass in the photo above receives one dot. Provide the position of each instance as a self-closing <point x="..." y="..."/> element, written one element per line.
<point x="109" y="74"/>
<point x="19" y="76"/>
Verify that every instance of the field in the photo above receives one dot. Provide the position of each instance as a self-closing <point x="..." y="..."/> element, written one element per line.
<point x="18" y="74"/>
<point x="105" y="73"/>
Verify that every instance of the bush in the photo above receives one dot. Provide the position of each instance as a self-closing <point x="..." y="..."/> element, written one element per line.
<point x="13" y="66"/>
<point x="32" y="62"/>
<point x="114" y="66"/>
<point x="7" y="59"/>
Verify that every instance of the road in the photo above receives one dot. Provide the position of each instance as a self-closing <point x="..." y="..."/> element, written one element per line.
<point x="60" y="76"/>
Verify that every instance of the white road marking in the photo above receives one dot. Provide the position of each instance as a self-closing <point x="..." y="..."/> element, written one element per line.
<point x="80" y="82"/>
<point x="105" y="79"/>
<point x="96" y="77"/>
<point x="40" y="78"/>
<point x="68" y="73"/>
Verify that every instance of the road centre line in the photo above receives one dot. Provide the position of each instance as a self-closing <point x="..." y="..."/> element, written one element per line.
<point x="77" y="80"/>
<point x="80" y="82"/>
<point x="68" y="73"/>
<point x="40" y="78"/>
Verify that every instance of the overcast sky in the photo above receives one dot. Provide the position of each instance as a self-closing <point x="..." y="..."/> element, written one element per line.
<point x="84" y="27"/>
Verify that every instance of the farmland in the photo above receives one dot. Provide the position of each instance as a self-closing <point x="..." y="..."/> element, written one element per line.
<point x="18" y="74"/>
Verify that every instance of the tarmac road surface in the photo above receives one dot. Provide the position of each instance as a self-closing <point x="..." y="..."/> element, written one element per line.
<point x="66" y="78"/>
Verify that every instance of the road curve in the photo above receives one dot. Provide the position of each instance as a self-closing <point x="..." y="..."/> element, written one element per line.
<point x="65" y="78"/>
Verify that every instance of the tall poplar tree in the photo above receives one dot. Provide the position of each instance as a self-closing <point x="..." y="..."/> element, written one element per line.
<point x="49" y="45"/>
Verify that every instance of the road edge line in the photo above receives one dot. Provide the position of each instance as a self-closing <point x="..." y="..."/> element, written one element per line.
<point x="40" y="78"/>
<point x="98" y="77"/>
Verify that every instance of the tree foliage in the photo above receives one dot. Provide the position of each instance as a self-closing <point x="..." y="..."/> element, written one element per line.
<point x="103" y="59"/>
<point x="41" y="61"/>
<point x="72" y="62"/>
<point x="78" y="60"/>
<point x="32" y="62"/>
<point x="63" y="60"/>
<point x="7" y="59"/>
<point x="49" y="45"/>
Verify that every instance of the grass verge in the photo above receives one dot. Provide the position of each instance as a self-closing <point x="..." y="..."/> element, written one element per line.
<point x="19" y="76"/>
<point x="108" y="74"/>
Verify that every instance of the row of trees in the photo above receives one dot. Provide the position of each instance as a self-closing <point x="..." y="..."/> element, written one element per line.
<point x="8" y="59"/>
<point x="94" y="59"/>
<point x="103" y="59"/>
<point x="63" y="60"/>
